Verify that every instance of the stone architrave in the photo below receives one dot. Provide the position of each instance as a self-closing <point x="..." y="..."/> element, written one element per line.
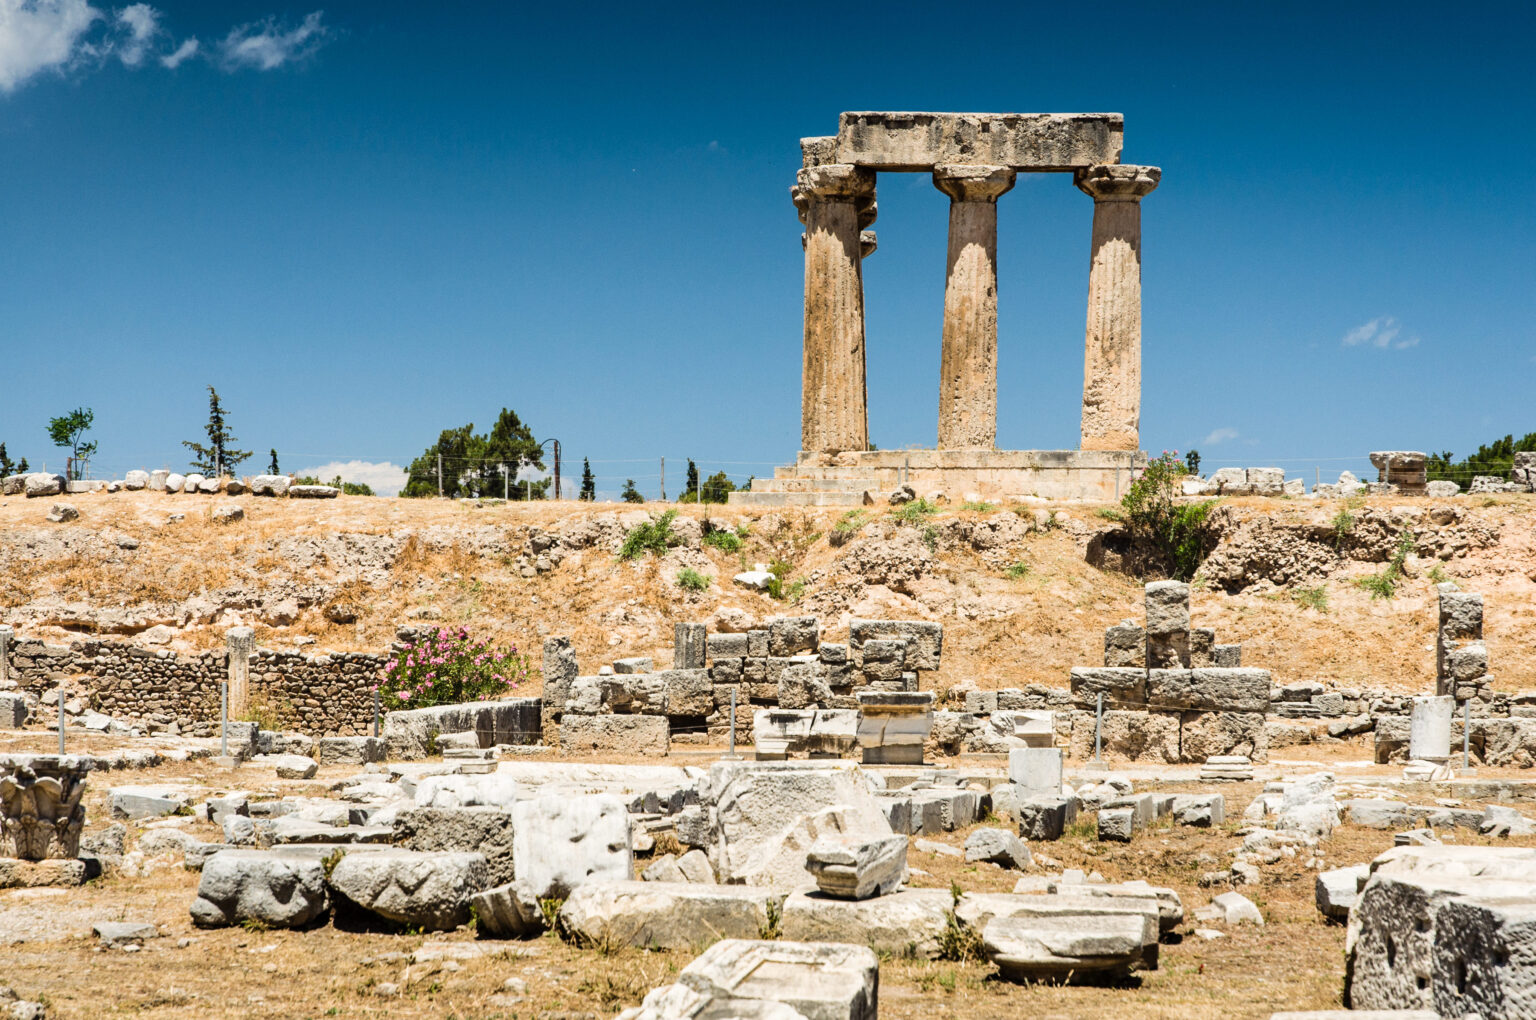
<point x="968" y="360"/>
<point x="241" y="642"/>
<point x="1112" y="356"/>
<point x="41" y="814"/>
<point x="835" y="201"/>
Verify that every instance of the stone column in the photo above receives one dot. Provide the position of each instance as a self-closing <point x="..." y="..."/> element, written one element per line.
<point x="968" y="364"/>
<point x="240" y="643"/>
<point x="835" y="201"/>
<point x="1112" y="359"/>
<point x="6" y="635"/>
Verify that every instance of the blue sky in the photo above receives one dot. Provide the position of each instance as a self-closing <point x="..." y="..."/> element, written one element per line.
<point x="365" y="223"/>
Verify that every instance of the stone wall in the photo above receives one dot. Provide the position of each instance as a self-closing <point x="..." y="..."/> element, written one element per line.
<point x="322" y="694"/>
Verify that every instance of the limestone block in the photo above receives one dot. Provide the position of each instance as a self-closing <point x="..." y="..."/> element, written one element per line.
<point x="1046" y="818"/>
<point x="767" y="816"/>
<point x="350" y="750"/>
<point x="1209" y="690"/>
<point x="1205" y="810"/>
<point x="615" y="734"/>
<point x="1227" y="656"/>
<point x="924" y="640"/>
<point x="1205" y="735"/>
<point x="1235" y="908"/>
<point x="1036" y="771"/>
<point x="804" y="685"/>
<point x="291" y="766"/>
<point x="908" y="922"/>
<point x="1139" y="736"/>
<point x="853" y="868"/>
<point x="561" y="842"/>
<point x="1125" y="645"/>
<point x="1167" y="608"/>
<point x="175" y="481"/>
<point x="270" y="485"/>
<point x="1023" y="141"/>
<point x="483" y="830"/>
<point x="156" y="480"/>
<point x="997" y="846"/>
<point x="832" y="654"/>
<point x="1467" y="662"/>
<point x="1337" y="890"/>
<point x="1308" y="806"/>
<point x="1116" y="824"/>
<point x="637" y="664"/>
<point x="1231" y="480"/>
<point x="1429" y="734"/>
<point x="1062" y="948"/>
<point x="42" y="484"/>
<point x="138" y="802"/>
<point x="1484" y="959"/>
<point x="815" y="981"/>
<point x="790" y="635"/>
<point x="507" y="912"/>
<point x="943" y="809"/>
<point x="426" y="890"/>
<point x="13" y="711"/>
<point x="777" y="733"/>
<point x="277" y="890"/>
<point x="727" y="646"/>
<point x="312" y="492"/>
<point x="1121" y="687"/>
<point x="665" y="915"/>
<point x="687" y="691"/>
<point x="1267" y="481"/>
<point x="688" y="646"/>
<point x="454" y="791"/>
<point x="411" y="733"/>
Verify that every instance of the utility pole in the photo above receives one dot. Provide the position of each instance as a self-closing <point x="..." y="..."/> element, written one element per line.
<point x="439" y="476"/>
<point x="663" y="479"/>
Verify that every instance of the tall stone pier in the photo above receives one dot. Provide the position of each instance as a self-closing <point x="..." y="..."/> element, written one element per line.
<point x="835" y="201"/>
<point x="968" y="359"/>
<point x="1112" y="351"/>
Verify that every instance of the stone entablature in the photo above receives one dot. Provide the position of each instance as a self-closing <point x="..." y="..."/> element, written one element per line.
<point x="1026" y="142"/>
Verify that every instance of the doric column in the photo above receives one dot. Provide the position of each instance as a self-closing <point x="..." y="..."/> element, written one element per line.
<point x="835" y="201"/>
<point x="968" y="363"/>
<point x="1112" y="358"/>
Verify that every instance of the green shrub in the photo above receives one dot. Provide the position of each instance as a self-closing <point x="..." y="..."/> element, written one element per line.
<point x="981" y="507"/>
<point x="1342" y="524"/>
<point x="725" y="541"/>
<point x="847" y="526"/>
<point x="958" y="942"/>
<point x="914" y="511"/>
<point x="449" y="668"/>
<point x="777" y="588"/>
<point x="1175" y="536"/>
<point x="1384" y="585"/>
<point x="650" y="537"/>
<point x="1018" y="570"/>
<point x="692" y="580"/>
<point x="1315" y="598"/>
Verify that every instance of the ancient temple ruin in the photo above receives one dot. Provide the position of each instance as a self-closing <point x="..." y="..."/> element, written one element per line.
<point x="974" y="160"/>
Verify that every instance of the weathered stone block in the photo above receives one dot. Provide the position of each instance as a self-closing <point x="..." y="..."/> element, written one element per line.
<point x="275" y="889"/>
<point x="423" y="890"/>
<point x="646" y="735"/>
<point x="1121" y="686"/>
<point x="1125" y="645"/>
<point x="562" y="842"/>
<point x="908" y="922"/>
<point x="855" y="868"/>
<point x="791" y="635"/>
<point x="727" y="646"/>
<point x="482" y="830"/>
<point x="1205" y="735"/>
<point x="688" y="645"/>
<point x="1022" y="141"/>
<point x="665" y="915"/>
<point x="1046" y="818"/>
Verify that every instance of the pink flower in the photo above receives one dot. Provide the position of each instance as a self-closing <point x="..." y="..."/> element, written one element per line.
<point x="404" y="695"/>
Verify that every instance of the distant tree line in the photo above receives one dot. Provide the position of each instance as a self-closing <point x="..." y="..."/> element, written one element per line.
<point x="1496" y="458"/>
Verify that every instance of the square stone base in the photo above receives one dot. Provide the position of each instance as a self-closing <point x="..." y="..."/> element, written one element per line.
<point x="19" y="874"/>
<point x="856" y="478"/>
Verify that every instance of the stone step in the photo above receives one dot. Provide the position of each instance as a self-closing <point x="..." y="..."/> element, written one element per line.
<point x="774" y="499"/>
<point x="812" y="484"/>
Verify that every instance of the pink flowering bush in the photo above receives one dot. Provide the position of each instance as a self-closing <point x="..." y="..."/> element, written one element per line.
<point x="448" y="668"/>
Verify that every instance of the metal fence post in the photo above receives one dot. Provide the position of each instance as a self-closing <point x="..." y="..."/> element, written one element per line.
<point x="375" y="711"/>
<point x="1466" y="734"/>
<point x="61" y="720"/>
<point x="1098" y="721"/>
<point x="224" y="718"/>
<point x="731" y="753"/>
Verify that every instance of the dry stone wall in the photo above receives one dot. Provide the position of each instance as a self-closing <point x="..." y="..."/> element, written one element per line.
<point x="321" y="694"/>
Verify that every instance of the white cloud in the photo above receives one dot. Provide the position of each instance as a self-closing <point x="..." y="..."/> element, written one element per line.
<point x="382" y="477"/>
<point x="61" y="35"/>
<point x="263" y="45"/>
<point x="1220" y="435"/>
<point x="188" y="48"/>
<point x="141" y="23"/>
<point x="1380" y="333"/>
<point x="40" y="35"/>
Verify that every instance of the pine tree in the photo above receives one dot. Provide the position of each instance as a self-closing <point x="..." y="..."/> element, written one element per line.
<point x="588" y="483"/>
<point x="632" y="494"/>
<point x="6" y="467"/>
<point x="1192" y="461"/>
<point x="219" y="456"/>
<point x="272" y="468"/>
<point x="691" y="485"/>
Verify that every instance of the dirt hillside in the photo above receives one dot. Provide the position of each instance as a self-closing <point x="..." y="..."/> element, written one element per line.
<point x="1024" y="592"/>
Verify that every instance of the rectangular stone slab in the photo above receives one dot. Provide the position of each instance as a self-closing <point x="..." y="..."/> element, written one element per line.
<point x="1023" y="141"/>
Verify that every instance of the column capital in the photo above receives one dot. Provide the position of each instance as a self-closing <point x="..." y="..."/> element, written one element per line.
<point x="1118" y="182"/>
<point x="818" y="151"/>
<point x="973" y="182"/>
<point x="867" y="243"/>
<point x="836" y="182"/>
